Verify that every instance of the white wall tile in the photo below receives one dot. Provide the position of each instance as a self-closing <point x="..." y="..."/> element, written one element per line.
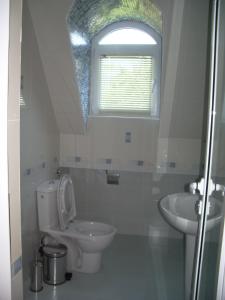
<point x="130" y="206"/>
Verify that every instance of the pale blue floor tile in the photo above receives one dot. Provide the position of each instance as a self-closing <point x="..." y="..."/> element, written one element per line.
<point x="134" y="268"/>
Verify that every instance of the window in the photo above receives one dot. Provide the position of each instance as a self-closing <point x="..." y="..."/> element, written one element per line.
<point x="125" y="74"/>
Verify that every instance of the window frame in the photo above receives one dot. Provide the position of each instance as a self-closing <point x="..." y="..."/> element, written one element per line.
<point x="97" y="51"/>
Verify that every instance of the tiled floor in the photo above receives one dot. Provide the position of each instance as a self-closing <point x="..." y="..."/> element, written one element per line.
<point x="133" y="268"/>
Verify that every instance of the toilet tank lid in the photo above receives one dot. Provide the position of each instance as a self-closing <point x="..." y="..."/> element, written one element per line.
<point x="48" y="186"/>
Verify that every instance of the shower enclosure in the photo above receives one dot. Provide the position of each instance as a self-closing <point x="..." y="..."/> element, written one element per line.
<point x="208" y="280"/>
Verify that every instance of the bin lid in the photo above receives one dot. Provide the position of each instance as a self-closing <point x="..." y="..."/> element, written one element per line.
<point x="58" y="250"/>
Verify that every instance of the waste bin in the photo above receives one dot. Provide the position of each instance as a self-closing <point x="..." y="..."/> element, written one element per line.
<point x="54" y="261"/>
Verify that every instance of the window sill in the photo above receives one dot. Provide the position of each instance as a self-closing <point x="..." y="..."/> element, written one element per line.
<point x="151" y="118"/>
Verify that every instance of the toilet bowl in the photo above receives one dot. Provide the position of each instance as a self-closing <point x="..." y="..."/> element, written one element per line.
<point x="85" y="240"/>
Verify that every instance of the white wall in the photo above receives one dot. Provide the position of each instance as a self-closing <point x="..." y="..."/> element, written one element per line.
<point x="50" y="26"/>
<point x="39" y="138"/>
<point x="176" y="136"/>
<point x="104" y="147"/>
<point x="132" y="206"/>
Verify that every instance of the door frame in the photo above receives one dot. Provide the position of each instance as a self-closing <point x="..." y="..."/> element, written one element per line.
<point x="5" y="261"/>
<point x="11" y="285"/>
<point x="200" y="242"/>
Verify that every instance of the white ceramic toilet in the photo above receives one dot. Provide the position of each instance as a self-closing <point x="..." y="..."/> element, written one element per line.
<point x="85" y="240"/>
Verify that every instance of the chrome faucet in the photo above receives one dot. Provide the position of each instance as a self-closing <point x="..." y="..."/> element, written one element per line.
<point x="212" y="187"/>
<point x="59" y="172"/>
<point x="197" y="187"/>
<point x="193" y="187"/>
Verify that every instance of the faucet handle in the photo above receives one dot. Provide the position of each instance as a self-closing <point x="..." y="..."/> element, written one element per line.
<point x="220" y="188"/>
<point x="59" y="172"/>
<point x="197" y="187"/>
<point x="193" y="187"/>
<point x="212" y="187"/>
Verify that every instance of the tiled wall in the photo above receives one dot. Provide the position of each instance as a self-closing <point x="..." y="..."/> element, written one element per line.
<point x="39" y="139"/>
<point x="132" y="206"/>
<point x="105" y="147"/>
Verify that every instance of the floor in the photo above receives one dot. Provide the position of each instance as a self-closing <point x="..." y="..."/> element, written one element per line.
<point x="134" y="268"/>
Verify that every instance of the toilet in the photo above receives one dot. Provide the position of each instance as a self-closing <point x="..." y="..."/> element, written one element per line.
<point x="85" y="240"/>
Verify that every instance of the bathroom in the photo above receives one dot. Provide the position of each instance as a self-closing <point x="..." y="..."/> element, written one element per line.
<point x="123" y="163"/>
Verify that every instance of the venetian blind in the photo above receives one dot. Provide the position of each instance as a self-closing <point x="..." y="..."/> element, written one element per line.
<point x="126" y="84"/>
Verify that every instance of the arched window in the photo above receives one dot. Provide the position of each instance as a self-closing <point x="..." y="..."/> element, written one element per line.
<point x="125" y="73"/>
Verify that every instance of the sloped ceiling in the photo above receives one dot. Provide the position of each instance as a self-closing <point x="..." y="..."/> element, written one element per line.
<point x="49" y="20"/>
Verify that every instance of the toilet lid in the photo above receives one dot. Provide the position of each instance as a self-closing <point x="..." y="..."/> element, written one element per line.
<point x="65" y="201"/>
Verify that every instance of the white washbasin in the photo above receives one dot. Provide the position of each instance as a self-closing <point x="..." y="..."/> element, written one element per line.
<point x="179" y="211"/>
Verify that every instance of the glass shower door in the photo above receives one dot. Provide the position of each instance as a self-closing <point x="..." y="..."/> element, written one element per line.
<point x="209" y="264"/>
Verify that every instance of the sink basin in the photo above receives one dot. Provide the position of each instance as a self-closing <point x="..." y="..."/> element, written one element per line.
<point x="179" y="211"/>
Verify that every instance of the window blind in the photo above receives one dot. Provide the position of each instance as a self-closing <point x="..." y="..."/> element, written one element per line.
<point x="126" y="83"/>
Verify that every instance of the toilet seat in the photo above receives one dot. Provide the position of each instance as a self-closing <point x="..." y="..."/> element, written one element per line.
<point x="85" y="230"/>
<point x="65" y="202"/>
<point x="67" y="213"/>
<point x="93" y="229"/>
<point x="89" y="230"/>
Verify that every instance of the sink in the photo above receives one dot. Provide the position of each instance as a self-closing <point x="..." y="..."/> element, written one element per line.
<point x="179" y="210"/>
